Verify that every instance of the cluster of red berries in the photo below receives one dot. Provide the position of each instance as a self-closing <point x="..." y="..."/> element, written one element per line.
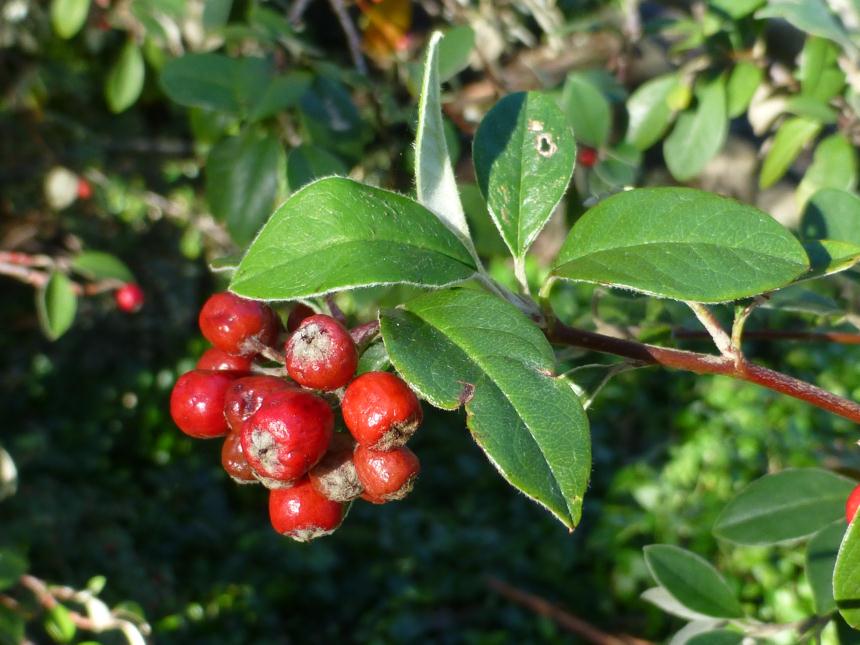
<point x="281" y="431"/>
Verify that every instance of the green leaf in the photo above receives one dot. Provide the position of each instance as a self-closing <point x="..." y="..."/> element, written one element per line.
<point x="789" y="140"/>
<point x="466" y="346"/>
<point x="435" y="185"/>
<point x="97" y="265"/>
<point x="307" y="163"/>
<point x="524" y="154"/>
<point x="736" y="9"/>
<point x="586" y="109"/>
<point x="243" y="175"/>
<point x="59" y="624"/>
<point x="339" y="234"/>
<point x="832" y="214"/>
<point x="68" y="16"/>
<point x="827" y="257"/>
<point x="56" y="304"/>
<point x="692" y="581"/>
<point x="810" y="16"/>
<point x="331" y="119"/>
<point x="11" y="627"/>
<point x="742" y="84"/>
<point x="699" y="132"/>
<point x="846" y="575"/>
<point x="124" y="81"/>
<point x="786" y="506"/>
<point x="681" y="243"/>
<point x="660" y="597"/>
<point x="12" y="567"/>
<point x="649" y="111"/>
<point x="717" y="637"/>
<point x="279" y="93"/>
<point x="454" y="51"/>
<point x="834" y="165"/>
<point x="617" y="169"/>
<point x="820" y="77"/>
<point x="812" y="108"/>
<point x="210" y="81"/>
<point x="374" y="359"/>
<point x="820" y="562"/>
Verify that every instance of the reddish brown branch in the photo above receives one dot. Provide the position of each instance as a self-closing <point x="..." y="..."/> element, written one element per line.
<point x="571" y="623"/>
<point x="840" y="337"/>
<point x="706" y="364"/>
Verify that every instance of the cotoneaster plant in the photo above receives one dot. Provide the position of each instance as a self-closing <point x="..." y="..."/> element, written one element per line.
<point x="504" y="354"/>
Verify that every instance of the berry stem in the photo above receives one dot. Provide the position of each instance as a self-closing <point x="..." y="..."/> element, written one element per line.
<point x="268" y="352"/>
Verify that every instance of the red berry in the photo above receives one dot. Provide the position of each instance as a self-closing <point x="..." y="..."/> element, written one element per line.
<point x="373" y="500"/>
<point x="129" y="298"/>
<point x="236" y="325"/>
<point x="288" y="435"/>
<point x="386" y="475"/>
<point x="321" y="354"/>
<point x="197" y="402"/>
<point x="234" y="462"/>
<point x="303" y="514"/>
<point x="334" y="476"/>
<point x="380" y="410"/>
<point x="214" y="359"/>
<point x="852" y="504"/>
<point x="85" y="190"/>
<point x="297" y="315"/>
<point x="246" y="395"/>
<point x="587" y="157"/>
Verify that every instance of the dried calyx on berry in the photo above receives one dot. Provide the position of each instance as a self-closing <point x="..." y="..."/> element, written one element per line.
<point x="288" y="435"/>
<point x="380" y="410"/>
<point x="236" y="325"/>
<point x="335" y="476"/>
<point x="197" y="402"/>
<point x="320" y="354"/>
<point x="386" y="475"/>
<point x="302" y="514"/>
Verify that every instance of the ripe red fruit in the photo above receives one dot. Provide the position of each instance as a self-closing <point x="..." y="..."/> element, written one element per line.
<point x="321" y="354"/>
<point x="587" y="157"/>
<point x="303" y="514"/>
<point x="214" y="359"/>
<point x="129" y="298"/>
<point x="297" y="315"/>
<point x="235" y="325"/>
<point x="246" y="395"/>
<point x="852" y="503"/>
<point x="234" y="462"/>
<point x="386" y="475"/>
<point x="85" y="190"/>
<point x="288" y="435"/>
<point x="197" y="402"/>
<point x="334" y="477"/>
<point x="380" y="410"/>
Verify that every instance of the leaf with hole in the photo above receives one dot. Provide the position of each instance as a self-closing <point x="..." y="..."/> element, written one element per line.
<point x="783" y="507"/>
<point x="681" y="243"/>
<point x="466" y="347"/>
<point x="692" y="581"/>
<point x="524" y="153"/>
<point x="337" y="234"/>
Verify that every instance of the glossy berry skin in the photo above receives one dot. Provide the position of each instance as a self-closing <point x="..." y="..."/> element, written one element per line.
<point x="587" y="157"/>
<point x="246" y="395"/>
<point x="85" y="190"/>
<point x="129" y="298"/>
<point x="320" y="354"/>
<point x="197" y="402"/>
<point x="215" y="359"/>
<point x="288" y="435"/>
<point x="386" y="475"/>
<point x="852" y="503"/>
<point x="235" y="325"/>
<point x="335" y="477"/>
<point x="233" y="460"/>
<point x="297" y="315"/>
<point x="380" y="410"/>
<point x="302" y="514"/>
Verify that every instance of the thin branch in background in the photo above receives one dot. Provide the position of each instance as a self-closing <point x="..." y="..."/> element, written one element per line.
<point x="297" y="10"/>
<point x="351" y="34"/>
<point x="565" y="619"/>
<point x="838" y="337"/>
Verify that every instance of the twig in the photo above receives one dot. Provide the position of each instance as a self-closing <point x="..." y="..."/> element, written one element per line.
<point x="713" y="327"/>
<point x="38" y="279"/>
<point x="839" y="337"/>
<point x="571" y="623"/>
<point x="351" y="34"/>
<point x="741" y="369"/>
<point x="297" y="10"/>
<point x="264" y="350"/>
